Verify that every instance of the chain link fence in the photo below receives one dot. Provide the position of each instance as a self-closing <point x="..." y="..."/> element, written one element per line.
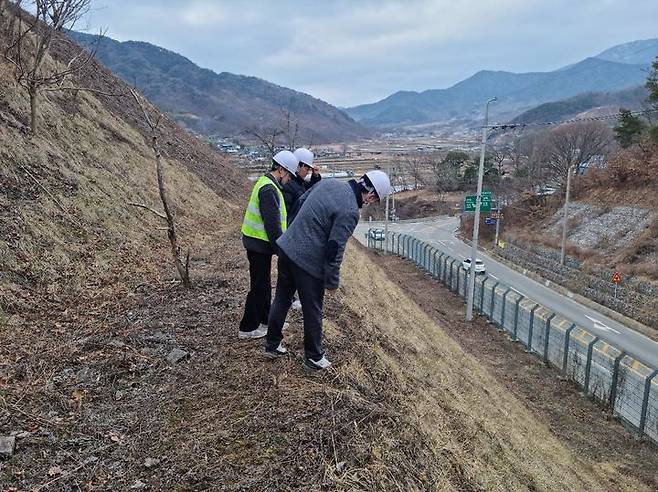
<point x="624" y="386"/>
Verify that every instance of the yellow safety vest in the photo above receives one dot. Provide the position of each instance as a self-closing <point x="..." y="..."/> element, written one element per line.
<point x="253" y="225"/>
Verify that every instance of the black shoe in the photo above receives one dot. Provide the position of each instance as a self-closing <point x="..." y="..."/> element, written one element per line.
<point x="280" y="351"/>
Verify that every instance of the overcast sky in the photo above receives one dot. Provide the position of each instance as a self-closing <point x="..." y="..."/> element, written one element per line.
<point x="350" y="52"/>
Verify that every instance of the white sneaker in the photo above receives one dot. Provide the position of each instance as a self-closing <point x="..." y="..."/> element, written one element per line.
<point x="285" y="327"/>
<point x="259" y="332"/>
<point x="280" y="351"/>
<point x="296" y="305"/>
<point x="317" y="365"/>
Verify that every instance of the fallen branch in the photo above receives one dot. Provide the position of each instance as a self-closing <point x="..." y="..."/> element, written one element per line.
<point x="141" y="205"/>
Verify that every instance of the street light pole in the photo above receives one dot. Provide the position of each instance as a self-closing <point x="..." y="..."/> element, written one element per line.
<point x="563" y="249"/>
<point x="476" y="219"/>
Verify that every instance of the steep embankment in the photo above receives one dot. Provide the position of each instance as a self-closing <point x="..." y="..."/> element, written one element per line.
<point x="112" y="376"/>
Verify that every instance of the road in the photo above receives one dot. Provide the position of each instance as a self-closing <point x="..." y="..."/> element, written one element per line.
<point x="440" y="233"/>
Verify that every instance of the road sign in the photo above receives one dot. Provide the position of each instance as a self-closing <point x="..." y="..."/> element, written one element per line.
<point x="485" y="204"/>
<point x="490" y="221"/>
<point x="616" y="278"/>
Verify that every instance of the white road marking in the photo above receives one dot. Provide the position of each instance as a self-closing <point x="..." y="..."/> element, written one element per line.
<point x="601" y="326"/>
<point x="493" y="276"/>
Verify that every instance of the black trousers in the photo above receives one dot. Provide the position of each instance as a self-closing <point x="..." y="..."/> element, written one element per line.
<point x="257" y="306"/>
<point x="311" y="295"/>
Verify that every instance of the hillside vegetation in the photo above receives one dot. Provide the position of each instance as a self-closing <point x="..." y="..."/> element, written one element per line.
<point x="91" y="315"/>
<point x="222" y="104"/>
<point x="632" y="99"/>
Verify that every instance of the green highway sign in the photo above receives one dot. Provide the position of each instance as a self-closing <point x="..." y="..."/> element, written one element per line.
<point x="485" y="204"/>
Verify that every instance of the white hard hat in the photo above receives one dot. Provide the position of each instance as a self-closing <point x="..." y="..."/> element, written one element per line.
<point x="287" y="160"/>
<point x="304" y="156"/>
<point x="380" y="181"/>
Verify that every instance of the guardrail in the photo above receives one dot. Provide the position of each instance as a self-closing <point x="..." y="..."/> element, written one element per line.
<point x="621" y="384"/>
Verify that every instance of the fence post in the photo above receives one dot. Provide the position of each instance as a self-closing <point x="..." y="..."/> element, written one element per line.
<point x="565" y="355"/>
<point x="426" y="256"/>
<point x="531" y="327"/>
<point x="457" y="289"/>
<point x="484" y="281"/>
<point x="588" y="364"/>
<point x="516" y="318"/>
<point x="548" y="334"/>
<point x="445" y="270"/>
<point x="615" y="378"/>
<point x="645" y="400"/>
<point x="493" y="302"/>
<point x="502" y="314"/>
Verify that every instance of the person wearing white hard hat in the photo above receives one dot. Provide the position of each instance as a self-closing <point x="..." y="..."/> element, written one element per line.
<point x="264" y="221"/>
<point x="305" y="177"/>
<point x="310" y="254"/>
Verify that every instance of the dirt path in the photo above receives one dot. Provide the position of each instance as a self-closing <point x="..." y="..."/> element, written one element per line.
<point x="578" y="422"/>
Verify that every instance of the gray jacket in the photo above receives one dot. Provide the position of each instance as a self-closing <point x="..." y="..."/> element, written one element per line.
<point x="316" y="239"/>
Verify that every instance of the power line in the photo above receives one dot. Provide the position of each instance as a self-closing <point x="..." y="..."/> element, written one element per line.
<point x="510" y="126"/>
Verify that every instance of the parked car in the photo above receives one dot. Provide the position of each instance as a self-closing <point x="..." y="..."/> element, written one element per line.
<point x="479" y="266"/>
<point x="377" y="234"/>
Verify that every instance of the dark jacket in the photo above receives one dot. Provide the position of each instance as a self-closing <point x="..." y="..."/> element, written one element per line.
<point x="315" y="241"/>
<point x="295" y="188"/>
<point x="269" y="211"/>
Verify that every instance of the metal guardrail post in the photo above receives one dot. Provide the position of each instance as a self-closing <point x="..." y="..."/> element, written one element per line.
<point x="547" y="335"/>
<point x="493" y="302"/>
<point x="437" y="263"/>
<point x="588" y="365"/>
<point x="484" y="281"/>
<point x="645" y="400"/>
<point x="565" y="355"/>
<point x="458" y="269"/>
<point x="502" y="314"/>
<point x="445" y="270"/>
<point x="531" y="328"/>
<point x="615" y="380"/>
<point x="426" y="256"/>
<point x="452" y="264"/>
<point x="516" y="318"/>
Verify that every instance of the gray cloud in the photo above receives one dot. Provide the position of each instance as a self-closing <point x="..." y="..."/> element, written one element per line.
<point x="352" y="52"/>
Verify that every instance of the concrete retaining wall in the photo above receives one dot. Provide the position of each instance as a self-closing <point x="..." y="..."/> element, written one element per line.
<point x="626" y="387"/>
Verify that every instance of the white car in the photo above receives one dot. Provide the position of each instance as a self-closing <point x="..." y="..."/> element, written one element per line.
<point x="479" y="266"/>
<point x="377" y="234"/>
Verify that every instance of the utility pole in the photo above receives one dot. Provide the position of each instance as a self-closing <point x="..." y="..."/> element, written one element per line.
<point x="563" y="250"/>
<point x="476" y="219"/>
<point x="498" y="219"/>
<point x="387" y="215"/>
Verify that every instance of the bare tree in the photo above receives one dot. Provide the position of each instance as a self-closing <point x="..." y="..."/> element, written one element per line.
<point x="183" y="267"/>
<point x="573" y="145"/>
<point x="414" y="164"/>
<point x="289" y="126"/>
<point x="497" y="155"/>
<point x="30" y="40"/>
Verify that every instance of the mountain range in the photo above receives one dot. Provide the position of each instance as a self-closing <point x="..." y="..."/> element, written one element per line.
<point x="223" y="104"/>
<point x="618" y="68"/>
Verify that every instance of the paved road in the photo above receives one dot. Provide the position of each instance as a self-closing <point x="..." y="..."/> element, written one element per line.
<point x="440" y="232"/>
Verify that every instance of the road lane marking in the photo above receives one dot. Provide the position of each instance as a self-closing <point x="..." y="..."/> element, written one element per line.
<point x="601" y="326"/>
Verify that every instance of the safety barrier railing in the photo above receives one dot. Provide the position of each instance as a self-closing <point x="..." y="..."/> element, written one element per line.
<point x="623" y="385"/>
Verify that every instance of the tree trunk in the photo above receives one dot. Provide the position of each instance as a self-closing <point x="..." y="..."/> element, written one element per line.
<point x="183" y="269"/>
<point x="34" y="102"/>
